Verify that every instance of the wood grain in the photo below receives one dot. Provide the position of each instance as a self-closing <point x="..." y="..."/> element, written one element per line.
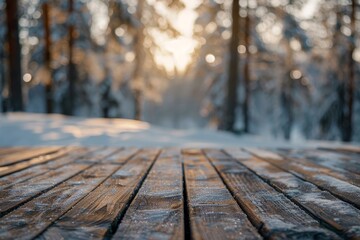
<point x="35" y="216"/>
<point x="26" y="154"/>
<point x="101" y="155"/>
<point x="7" y="170"/>
<point x="44" y="165"/>
<point x="338" y="215"/>
<point x="327" y="168"/>
<point x="275" y="216"/>
<point x="127" y="193"/>
<point x="9" y="150"/>
<point x="157" y="210"/>
<point x="214" y="214"/>
<point x="347" y="163"/>
<point x="15" y="195"/>
<point x="120" y="156"/>
<point x="95" y="214"/>
<point x="325" y="181"/>
<point x="348" y="148"/>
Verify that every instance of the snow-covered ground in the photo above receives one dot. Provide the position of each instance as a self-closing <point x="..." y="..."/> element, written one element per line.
<point x="20" y="129"/>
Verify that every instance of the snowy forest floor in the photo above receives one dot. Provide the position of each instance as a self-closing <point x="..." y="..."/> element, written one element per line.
<point x="24" y="129"/>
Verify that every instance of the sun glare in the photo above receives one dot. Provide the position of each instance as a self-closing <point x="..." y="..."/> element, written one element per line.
<point x="100" y="20"/>
<point x="176" y="53"/>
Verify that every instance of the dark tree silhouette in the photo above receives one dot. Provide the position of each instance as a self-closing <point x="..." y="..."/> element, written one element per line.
<point x="71" y="67"/>
<point x="47" y="56"/>
<point x="350" y="85"/>
<point x="139" y="53"/>
<point x="16" y="100"/>
<point x="247" y="71"/>
<point x="232" y="84"/>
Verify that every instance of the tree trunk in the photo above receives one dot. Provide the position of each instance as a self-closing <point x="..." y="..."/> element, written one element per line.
<point x="232" y="85"/>
<point x="2" y="78"/>
<point x="16" y="100"/>
<point x="247" y="71"/>
<point x="350" y="85"/>
<point x="286" y="93"/>
<point x="339" y="69"/>
<point x="138" y="71"/>
<point x="47" y="57"/>
<point x="71" y="67"/>
<point x="106" y="94"/>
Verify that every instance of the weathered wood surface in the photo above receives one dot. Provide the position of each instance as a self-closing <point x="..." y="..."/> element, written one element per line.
<point x="346" y="149"/>
<point x="18" y="194"/>
<point x="214" y="214"/>
<point x="129" y="193"/>
<point x="274" y="215"/>
<point x="6" y="170"/>
<point x="339" y="161"/>
<point x="8" y="150"/>
<point x="97" y="213"/>
<point x="157" y="210"/>
<point x="338" y="184"/>
<point x="322" y="166"/>
<point x="45" y="163"/>
<point x="23" y="155"/>
<point x="338" y="215"/>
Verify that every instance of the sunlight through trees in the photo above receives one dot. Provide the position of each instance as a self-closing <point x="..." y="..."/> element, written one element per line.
<point x="287" y="69"/>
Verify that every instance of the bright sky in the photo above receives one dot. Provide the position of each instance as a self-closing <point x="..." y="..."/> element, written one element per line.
<point x="174" y="52"/>
<point x="179" y="49"/>
<point x="99" y="12"/>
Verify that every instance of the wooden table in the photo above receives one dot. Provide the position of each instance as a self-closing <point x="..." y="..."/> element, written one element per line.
<point x="128" y="193"/>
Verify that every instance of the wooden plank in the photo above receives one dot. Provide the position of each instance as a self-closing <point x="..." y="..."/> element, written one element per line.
<point x="9" y="150"/>
<point x="339" y="215"/>
<point x="351" y="155"/>
<point x="14" y="196"/>
<point x="304" y="164"/>
<point x="18" y="194"/>
<point x="214" y="213"/>
<point x="101" y="154"/>
<point x="345" y="157"/>
<point x="120" y="156"/>
<point x="29" y="173"/>
<point x="275" y="216"/>
<point x="340" y="188"/>
<point x="331" y="160"/>
<point x="6" y="170"/>
<point x="348" y="148"/>
<point x="31" y="219"/>
<point x="95" y="214"/>
<point x="157" y="210"/>
<point x="26" y="155"/>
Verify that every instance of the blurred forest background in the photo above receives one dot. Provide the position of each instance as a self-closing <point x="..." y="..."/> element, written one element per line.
<point x="282" y="68"/>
